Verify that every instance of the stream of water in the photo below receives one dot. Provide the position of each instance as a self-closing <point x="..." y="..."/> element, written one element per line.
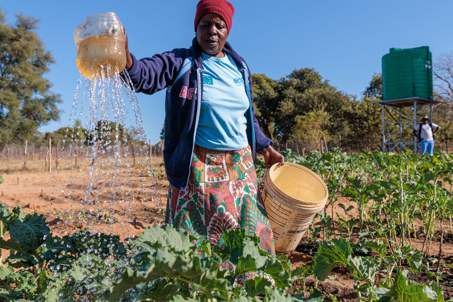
<point x="105" y="145"/>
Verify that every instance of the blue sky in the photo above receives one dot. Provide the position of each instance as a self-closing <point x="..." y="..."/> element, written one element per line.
<point x="342" y="40"/>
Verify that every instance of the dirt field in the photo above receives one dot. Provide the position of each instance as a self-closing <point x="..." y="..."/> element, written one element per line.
<point x="109" y="201"/>
<point x="71" y="200"/>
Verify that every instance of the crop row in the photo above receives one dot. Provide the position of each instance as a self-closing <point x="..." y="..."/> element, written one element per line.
<point x="393" y="193"/>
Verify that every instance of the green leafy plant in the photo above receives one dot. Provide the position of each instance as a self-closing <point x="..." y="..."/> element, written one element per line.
<point x="365" y="269"/>
<point x="169" y="262"/>
<point x="27" y="233"/>
<point x="162" y="265"/>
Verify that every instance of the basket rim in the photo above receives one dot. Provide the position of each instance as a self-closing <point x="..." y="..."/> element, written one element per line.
<point x="310" y="172"/>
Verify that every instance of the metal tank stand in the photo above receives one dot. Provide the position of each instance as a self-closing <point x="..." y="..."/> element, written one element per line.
<point x="399" y="117"/>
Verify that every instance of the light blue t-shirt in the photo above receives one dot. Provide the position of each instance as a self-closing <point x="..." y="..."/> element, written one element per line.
<point x="222" y="122"/>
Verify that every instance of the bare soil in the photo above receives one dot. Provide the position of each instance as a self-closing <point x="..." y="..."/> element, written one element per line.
<point x="70" y="201"/>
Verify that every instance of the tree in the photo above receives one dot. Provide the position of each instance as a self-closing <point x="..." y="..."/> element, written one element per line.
<point x="76" y="135"/>
<point x="443" y="112"/>
<point x="311" y="129"/>
<point x="280" y="104"/>
<point x="365" y="122"/>
<point x="443" y="77"/>
<point x="374" y="90"/>
<point x="294" y="100"/>
<point x="26" y="101"/>
<point x="265" y="99"/>
<point x="305" y="91"/>
<point x="108" y="134"/>
<point x="365" y="118"/>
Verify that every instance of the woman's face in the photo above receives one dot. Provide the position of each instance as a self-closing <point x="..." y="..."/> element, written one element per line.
<point x="212" y="34"/>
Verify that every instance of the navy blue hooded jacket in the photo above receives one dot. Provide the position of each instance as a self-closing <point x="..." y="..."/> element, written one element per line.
<point x="180" y="71"/>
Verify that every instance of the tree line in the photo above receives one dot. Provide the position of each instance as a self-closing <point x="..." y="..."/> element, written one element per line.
<point x="304" y="111"/>
<point x="301" y="111"/>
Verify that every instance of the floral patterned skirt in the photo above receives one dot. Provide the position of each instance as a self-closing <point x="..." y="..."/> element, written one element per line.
<point x="222" y="194"/>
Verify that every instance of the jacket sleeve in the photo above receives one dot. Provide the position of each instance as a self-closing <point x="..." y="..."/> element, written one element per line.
<point x="150" y="75"/>
<point x="261" y="140"/>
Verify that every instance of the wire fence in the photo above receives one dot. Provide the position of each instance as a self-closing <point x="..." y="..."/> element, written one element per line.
<point x="51" y="155"/>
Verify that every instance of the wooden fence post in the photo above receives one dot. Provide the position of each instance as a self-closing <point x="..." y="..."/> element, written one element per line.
<point x="133" y="154"/>
<point x="25" y="154"/>
<point x="150" y="149"/>
<point x="76" y="154"/>
<point x="57" y="158"/>
<point x="7" y="156"/>
<point x="50" y="154"/>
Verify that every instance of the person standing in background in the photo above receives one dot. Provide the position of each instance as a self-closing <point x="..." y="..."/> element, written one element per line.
<point x="425" y="133"/>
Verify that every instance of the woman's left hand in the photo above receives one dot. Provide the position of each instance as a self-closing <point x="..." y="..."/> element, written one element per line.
<point x="271" y="156"/>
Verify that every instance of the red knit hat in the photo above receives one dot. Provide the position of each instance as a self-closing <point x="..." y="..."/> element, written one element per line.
<point x="222" y="8"/>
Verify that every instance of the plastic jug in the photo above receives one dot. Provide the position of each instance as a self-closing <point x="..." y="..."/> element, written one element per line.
<point x="100" y="46"/>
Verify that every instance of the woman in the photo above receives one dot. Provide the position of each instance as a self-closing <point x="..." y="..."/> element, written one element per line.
<point x="211" y="133"/>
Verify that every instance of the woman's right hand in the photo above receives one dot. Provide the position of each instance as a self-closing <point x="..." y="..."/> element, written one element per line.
<point x="272" y="156"/>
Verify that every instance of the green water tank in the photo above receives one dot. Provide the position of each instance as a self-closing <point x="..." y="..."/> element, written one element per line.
<point x="407" y="73"/>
